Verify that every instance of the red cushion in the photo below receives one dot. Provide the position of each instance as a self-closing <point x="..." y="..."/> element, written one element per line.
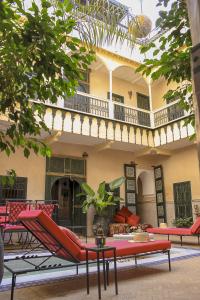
<point x="49" y="234"/>
<point x="119" y="219"/>
<point x="125" y="212"/>
<point x="124" y="248"/>
<point x="196" y="226"/>
<point x="133" y="220"/>
<point x="170" y="231"/>
<point x="71" y="235"/>
<point x="10" y="227"/>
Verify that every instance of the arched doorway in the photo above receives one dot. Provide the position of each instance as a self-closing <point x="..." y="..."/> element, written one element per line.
<point x="146" y="202"/>
<point x="65" y="190"/>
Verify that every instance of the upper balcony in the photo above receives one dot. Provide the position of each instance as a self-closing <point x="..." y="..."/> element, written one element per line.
<point x="114" y="103"/>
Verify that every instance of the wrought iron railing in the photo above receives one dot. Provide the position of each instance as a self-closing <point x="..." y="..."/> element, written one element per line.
<point x="131" y="115"/>
<point x="89" y="104"/>
<point x="93" y="105"/>
<point x="169" y="113"/>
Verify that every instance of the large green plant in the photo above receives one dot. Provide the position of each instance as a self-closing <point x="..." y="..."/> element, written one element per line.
<point x="101" y="199"/>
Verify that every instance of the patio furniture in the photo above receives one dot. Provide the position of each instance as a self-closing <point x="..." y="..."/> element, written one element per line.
<point x="47" y="208"/>
<point x="13" y="209"/>
<point x="194" y="230"/>
<point x="64" y="244"/>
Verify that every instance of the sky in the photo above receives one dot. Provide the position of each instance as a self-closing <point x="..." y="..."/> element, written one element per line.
<point x="149" y="8"/>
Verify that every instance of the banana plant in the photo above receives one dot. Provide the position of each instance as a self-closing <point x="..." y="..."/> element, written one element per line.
<point x="102" y="198"/>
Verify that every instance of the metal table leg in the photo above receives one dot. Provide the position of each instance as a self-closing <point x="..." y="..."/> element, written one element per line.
<point x="98" y="274"/>
<point x="115" y="271"/>
<point x="104" y="271"/>
<point x="87" y="273"/>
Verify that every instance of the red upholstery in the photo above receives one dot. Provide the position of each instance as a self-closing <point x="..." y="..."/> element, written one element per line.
<point x="124" y="212"/>
<point x="14" y="209"/>
<point x="72" y="236"/>
<point x="133" y="220"/>
<point x="170" y="231"/>
<point x="49" y="234"/>
<point x="61" y="243"/>
<point x="47" y="208"/>
<point x="10" y="227"/>
<point x="119" y="219"/>
<point x="125" y="248"/>
<point x="195" y="228"/>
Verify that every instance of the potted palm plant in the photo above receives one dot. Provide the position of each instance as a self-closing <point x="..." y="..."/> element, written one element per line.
<point x="101" y="201"/>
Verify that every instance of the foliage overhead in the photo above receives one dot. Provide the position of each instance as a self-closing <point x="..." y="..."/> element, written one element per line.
<point x="103" y="198"/>
<point x="35" y="64"/>
<point x="171" y="53"/>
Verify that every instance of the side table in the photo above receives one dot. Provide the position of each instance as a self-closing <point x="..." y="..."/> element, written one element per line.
<point x="100" y="251"/>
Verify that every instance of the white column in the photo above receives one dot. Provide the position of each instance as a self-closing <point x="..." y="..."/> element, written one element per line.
<point x="151" y="105"/>
<point x="60" y="102"/>
<point x="111" y="105"/>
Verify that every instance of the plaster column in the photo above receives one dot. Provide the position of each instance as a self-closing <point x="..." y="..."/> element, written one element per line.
<point x="111" y="105"/>
<point x="151" y="104"/>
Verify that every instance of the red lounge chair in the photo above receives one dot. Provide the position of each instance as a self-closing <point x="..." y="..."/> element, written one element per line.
<point x="194" y="230"/>
<point x="63" y="243"/>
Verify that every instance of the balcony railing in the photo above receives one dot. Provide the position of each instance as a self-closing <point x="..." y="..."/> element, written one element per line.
<point x="95" y="106"/>
<point x="169" y="113"/>
<point x="86" y="103"/>
<point x="92" y="105"/>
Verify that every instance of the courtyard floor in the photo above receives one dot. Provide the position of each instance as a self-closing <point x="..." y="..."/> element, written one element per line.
<point x="152" y="283"/>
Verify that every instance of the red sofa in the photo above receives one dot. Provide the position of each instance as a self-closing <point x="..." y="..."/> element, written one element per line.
<point x="194" y="230"/>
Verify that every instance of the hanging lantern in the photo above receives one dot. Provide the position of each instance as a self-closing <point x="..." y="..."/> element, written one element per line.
<point x="140" y="26"/>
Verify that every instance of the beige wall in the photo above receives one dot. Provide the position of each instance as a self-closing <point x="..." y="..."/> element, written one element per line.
<point x="181" y="166"/>
<point x="159" y="89"/>
<point x="33" y="168"/>
<point x="99" y="86"/>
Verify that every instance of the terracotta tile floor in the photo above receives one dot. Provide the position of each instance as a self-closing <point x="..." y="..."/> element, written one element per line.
<point x="152" y="283"/>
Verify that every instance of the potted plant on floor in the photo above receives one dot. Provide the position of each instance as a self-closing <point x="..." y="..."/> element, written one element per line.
<point x="101" y="200"/>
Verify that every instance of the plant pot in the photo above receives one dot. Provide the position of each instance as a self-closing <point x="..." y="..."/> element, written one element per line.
<point x="1" y="255"/>
<point x="104" y="221"/>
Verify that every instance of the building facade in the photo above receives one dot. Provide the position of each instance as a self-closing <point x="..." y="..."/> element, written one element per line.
<point x="116" y="125"/>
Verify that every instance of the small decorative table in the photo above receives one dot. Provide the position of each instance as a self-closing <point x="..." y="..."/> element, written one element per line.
<point x="100" y="252"/>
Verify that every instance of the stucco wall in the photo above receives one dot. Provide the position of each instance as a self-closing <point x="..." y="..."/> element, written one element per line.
<point x="181" y="166"/>
<point x="99" y="86"/>
<point x="159" y="89"/>
<point x="33" y="168"/>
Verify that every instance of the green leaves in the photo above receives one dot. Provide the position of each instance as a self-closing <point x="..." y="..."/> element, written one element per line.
<point x="116" y="183"/>
<point x="34" y="64"/>
<point x="102" y="198"/>
<point x="87" y="189"/>
<point x="171" y="53"/>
